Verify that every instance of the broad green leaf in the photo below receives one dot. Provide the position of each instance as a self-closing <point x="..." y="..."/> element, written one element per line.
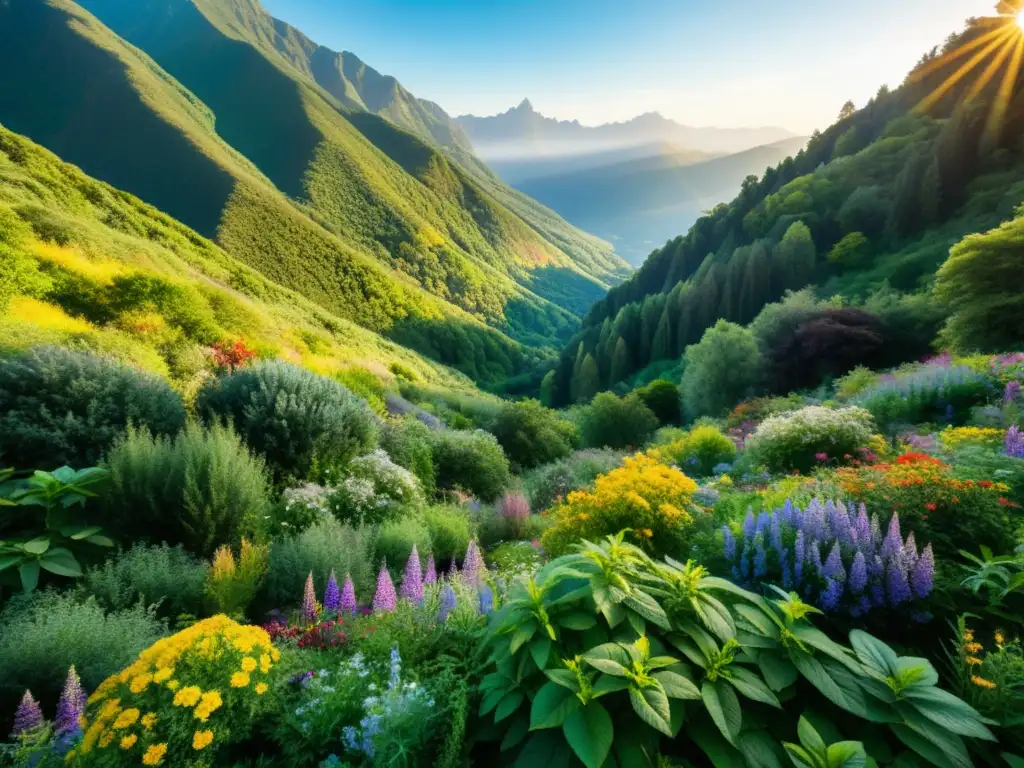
<point x="551" y="706"/>
<point x="660" y="662"/>
<point x="590" y="733"/>
<point x="79" y="532"/>
<point x="723" y="706"/>
<point x="492" y="699"/>
<point x="100" y="541"/>
<point x="818" y="640"/>
<point x="61" y="564"/>
<point x="1014" y="761"/>
<point x="948" y="712"/>
<point x="516" y="732"/>
<point x="652" y="706"/>
<point x="751" y="686"/>
<point x="540" y="649"/>
<point x="608" y="684"/>
<point x="809" y="738"/>
<point x="648" y="607"/>
<point x="29" y="573"/>
<point x="545" y="749"/>
<point x="577" y="620"/>
<point x="847" y="754"/>
<point x="676" y="686"/>
<point x="610" y="658"/>
<point x="950" y="743"/>
<point x="718" y="750"/>
<point x="508" y="705"/>
<point x="564" y="678"/>
<point x="925" y="748"/>
<point x="37" y="545"/>
<point x="917" y="672"/>
<point x="778" y="671"/>
<point x="522" y="635"/>
<point x="873" y="652"/>
<point x="689" y="649"/>
<point x="798" y="755"/>
<point x="6" y="561"/>
<point x="758" y="747"/>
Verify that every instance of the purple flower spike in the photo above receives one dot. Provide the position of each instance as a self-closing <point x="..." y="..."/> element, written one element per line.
<point x="332" y="597"/>
<point x="832" y="595"/>
<point x="309" y="600"/>
<point x="833" y="568"/>
<point x="71" y="706"/>
<point x="896" y="583"/>
<point x="348" y="597"/>
<point x="923" y="577"/>
<point x="858" y="574"/>
<point x="448" y="602"/>
<point x="430" y="577"/>
<point x="728" y="543"/>
<point x="384" y="599"/>
<point x="1014" y="442"/>
<point x="473" y="568"/>
<point x="453" y="571"/>
<point x="412" y="578"/>
<point x="749" y="524"/>
<point x="760" y="558"/>
<point x="486" y="600"/>
<point x="893" y="544"/>
<point x="29" y="716"/>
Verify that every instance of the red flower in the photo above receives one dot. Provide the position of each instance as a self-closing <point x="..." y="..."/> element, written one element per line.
<point x="931" y="506"/>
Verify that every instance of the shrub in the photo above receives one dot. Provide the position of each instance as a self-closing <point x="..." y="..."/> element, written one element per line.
<point x="450" y="532"/>
<point x="513" y="558"/>
<point x="299" y="508"/>
<point x="662" y="397"/>
<point x="366" y="385"/>
<point x="232" y="585"/>
<point x="613" y="422"/>
<point x="59" y="407"/>
<point x="43" y="634"/>
<point x="201" y="489"/>
<point x="550" y="484"/>
<point x="306" y="426"/>
<point x="396" y="539"/>
<point x="700" y="451"/>
<point x="408" y="442"/>
<point x="470" y="461"/>
<point x="722" y="369"/>
<point x="509" y="520"/>
<point x="803" y="439"/>
<point x="954" y="438"/>
<point x="654" y="501"/>
<point x="973" y="462"/>
<point x="197" y="691"/>
<point x="855" y="382"/>
<point x="376" y="491"/>
<point x="531" y="434"/>
<point x="325" y="546"/>
<point x="933" y="503"/>
<point x="166" y="576"/>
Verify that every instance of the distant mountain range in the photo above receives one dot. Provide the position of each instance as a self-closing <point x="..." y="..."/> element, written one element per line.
<point x="523" y="132"/>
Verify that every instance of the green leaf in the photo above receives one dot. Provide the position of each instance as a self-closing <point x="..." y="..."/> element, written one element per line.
<point x="922" y="746"/>
<point x="873" y="652"/>
<point x="37" y="545"/>
<point x="577" y="620"/>
<point x="809" y="738"/>
<point x="608" y="684"/>
<point x="751" y="686"/>
<point x="508" y="705"/>
<point x="544" y="749"/>
<point x="719" y="751"/>
<point x="29" y="572"/>
<point x="950" y="743"/>
<point x="492" y="699"/>
<point x="847" y="754"/>
<point x="758" y="747"/>
<point x="652" y="706"/>
<point x="551" y="706"/>
<point x="522" y="635"/>
<point x="778" y="671"/>
<point x="61" y="563"/>
<point x="540" y="649"/>
<point x="6" y="561"/>
<point x="516" y="732"/>
<point x="79" y="532"/>
<point x="648" y="607"/>
<point x="948" y="712"/>
<point x="590" y="733"/>
<point x="723" y="706"/>
<point x="1014" y="761"/>
<point x="100" y="541"/>
<point x="610" y="658"/>
<point x="799" y="756"/>
<point x="676" y="686"/>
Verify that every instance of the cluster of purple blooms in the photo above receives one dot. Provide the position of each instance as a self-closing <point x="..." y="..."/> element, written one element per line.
<point x="70" y="713"/>
<point x="1014" y="442"/>
<point x="1012" y="392"/>
<point x="834" y="555"/>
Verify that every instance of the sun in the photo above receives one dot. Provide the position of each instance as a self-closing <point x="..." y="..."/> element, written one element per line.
<point x="1020" y="19"/>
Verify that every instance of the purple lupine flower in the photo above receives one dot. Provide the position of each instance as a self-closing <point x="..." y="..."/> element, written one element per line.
<point x="876" y="568"/>
<point x="788" y="512"/>
<point x="453" y="571"/>
<point x="384" y="599"/>
<point x="412" y="578"/>
<point x="473" y="568"/>
<point x="896" y="584"/>
<point x="910" y="553"/>
<point x="787" y="576"/>
<point x="430" y="577"/>
<point x="749" y="524"/>
<point x="348" y="597"/>
<point x="332" y="597"/>
<point x="798" y="558"/>
<point x="858" y="574"/>
<point x="1012" y="392"/>
<point x="833" y="568"/>
<point x="764" y="520"/>
<point x="309" y="600"/>
<point x="831" y="595"/>
<point x="28" y="717"/>
<point x="923" y="576"/>
<point x="863" y="528"/>
<point x="814" y="557"/>
<point x="814" y="520"/>
<point x="745" y="564"/>
<point x="448" y="601"/>
<point x="760" y="557"/>
<point x="71" y="706"/>
<point x="877" y="591"/>
<point x="776" y="532"/>
<point x="1014" y="442"/>
<point x="876" y="532"/>
<point x="486" y="600"/>
<point x="728" y="543"/>
<point x="893" y="544"/>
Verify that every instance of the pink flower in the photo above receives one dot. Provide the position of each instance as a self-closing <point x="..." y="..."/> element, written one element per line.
<point x="385" y="598"/>
<point x="821" y="456"/>
<point x="309" y="600"/>
<point x="412" y="578"/>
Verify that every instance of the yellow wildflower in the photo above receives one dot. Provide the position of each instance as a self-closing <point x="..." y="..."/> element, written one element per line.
<point x="201" y="739"/>
<point x="981" y="682"/>
<point x="109" y="709"/>
<point x="188" y="696"/>
<point x="261" y="688"/>
<point x="155" y="754"/>
<point x="126" y="718"/>
<point x="149" y="720"/>
<point x="138" y="684"/>
<point x="106" y="738"/>
<point x="163" y="674"/>
<point x="173" y="685"/>
<point x="973" y="661"/>
<point x="972" y="647"/>
<point x="264" y="663"/>
<point x="248" y="664"/>
<point x="210" y="702"/>
<point x="1000" y="639"/>
<point x="968" y="636"/>
<point x="127" y="742"/>
<point x="239" y="680"/>
<point x="275" y="655"/>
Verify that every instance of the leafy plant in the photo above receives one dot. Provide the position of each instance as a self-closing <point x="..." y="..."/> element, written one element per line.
<point x="470" y="461"/>
<point x="812" y="752"/>
<point x="613" y="422"/>
<point x="162" y="574"/>
<point x="805" y="438"/>
<point x="531" y="434"/>
<point x="31" y="544"/>
<point x="232" y="583"/>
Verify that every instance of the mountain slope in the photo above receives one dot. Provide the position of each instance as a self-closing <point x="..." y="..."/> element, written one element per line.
<point x="868" y="211"/>
<point x="523" y="132"/>
<point x="636" y="203"/>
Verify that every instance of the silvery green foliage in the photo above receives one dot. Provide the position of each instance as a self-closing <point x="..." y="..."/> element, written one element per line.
<point x="375" y="491"/>
<point x="792" y="440"/>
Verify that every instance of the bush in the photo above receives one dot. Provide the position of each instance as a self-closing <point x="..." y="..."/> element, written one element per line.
<point x="979" y="464"/>
<point x="651" y="499"/>
<point x="396" y="539"/>
<point x="509" y="520"/>
<point x="550" y="484"/>
<point x="855" y="382"/>
<point x="232" y="584"/>
<point x="59" y="407"/>
<point x="613" y="422"/>
<point x="663" y="399"/>
<point x="366" y="385"/>
<point x="201" y="489"/>
<point x="306" y="426"/>
<point x="811" y="436"/>
<point x="531" y="434"/>
<point x="299" y="508"/>
<point x="471" y="462"/>
<point x="954" y="438"/>
<point x="215" y="698"/>
<point x="376" y="491"/>
<point x="722" y="369"/>
<point x="408" y="442"/>
<point x="450" y="532"/>
<point x="166" y="576"/>
<point x="325" y="546"/>
<point x="43" y="634"/>
<point x="700" y="451"/>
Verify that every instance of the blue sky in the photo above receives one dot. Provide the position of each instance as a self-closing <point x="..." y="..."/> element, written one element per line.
<point x="702" y="62"/>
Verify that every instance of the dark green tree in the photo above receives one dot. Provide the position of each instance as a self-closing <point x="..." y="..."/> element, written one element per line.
<point x="588" y="383"/>
<point x="621" y="365"/>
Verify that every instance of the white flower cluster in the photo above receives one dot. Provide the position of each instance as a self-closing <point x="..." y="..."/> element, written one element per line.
<point x="374" y="489"/>
<point x="817" y="424"/>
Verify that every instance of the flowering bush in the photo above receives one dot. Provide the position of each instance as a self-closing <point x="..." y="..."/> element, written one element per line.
<point x="699" y="451"/>
<point x="182" y="700"/>
<point x="833" y="556"/>
<point x="301" y="507"/>
<point x="232" y="584"/>
<point x="803" y="439"/>
<point x="651" y="499"/>
<point x="933" y="502"/>
<point x="232" y="356"/>
<point x="954" y="438"/>
<point x="1014" y="443"/>
<point x="375" y="491"/>
<point x="934" y="392"/>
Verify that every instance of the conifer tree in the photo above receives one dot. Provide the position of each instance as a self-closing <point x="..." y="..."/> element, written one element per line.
<point x="621" y="366"/>
<point x="588" y="383"/>
<point x="661" y="347"/>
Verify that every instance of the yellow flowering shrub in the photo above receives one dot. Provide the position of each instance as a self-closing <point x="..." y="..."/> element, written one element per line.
<point x="954" y="438"/>
<point x="183" y="698"/>
<point x="232" y="584"/>
<point x="653" y="500"/>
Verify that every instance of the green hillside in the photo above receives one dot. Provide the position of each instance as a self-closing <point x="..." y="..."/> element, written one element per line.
<point x="869" y="210"/>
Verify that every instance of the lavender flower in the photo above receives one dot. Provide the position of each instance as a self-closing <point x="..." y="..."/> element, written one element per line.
<point x="430" y="577"/>
<point x="28" y="717"/>
<point x="896" y="583"/>
<point x="831" y="595"/>
<point x="893" y="544"/>
<point x="486" y="600"/>
<point x="1012" y="392"/>
<point x="412" y="578"/>
<point x="760" y="558"/>
<point x="749" y="525"/>
<point x="1014" y="442"/>
<point x="923" y="576"/>
<point x="728" y="543"/>
<point x="309" y="600"/>
<point x="332" y="598"/>
<point x="453" y="571"/>
<point x="858" y="574"/>
<point x="348" y="597"/>
<point x="473" y="567"/>
<point x="384" y="599"/>
<point x="833" y="568"/>
<point x="448" y="601"/>
<point x="71" y="706"/>
<point x="799" y="554"/>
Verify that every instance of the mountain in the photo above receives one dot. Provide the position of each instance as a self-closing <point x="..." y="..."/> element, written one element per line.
<point x="865" y="214"/>
<point x="642" y="202"/>
<point x="211" y="112"/>
<point x="523" y="132"/>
